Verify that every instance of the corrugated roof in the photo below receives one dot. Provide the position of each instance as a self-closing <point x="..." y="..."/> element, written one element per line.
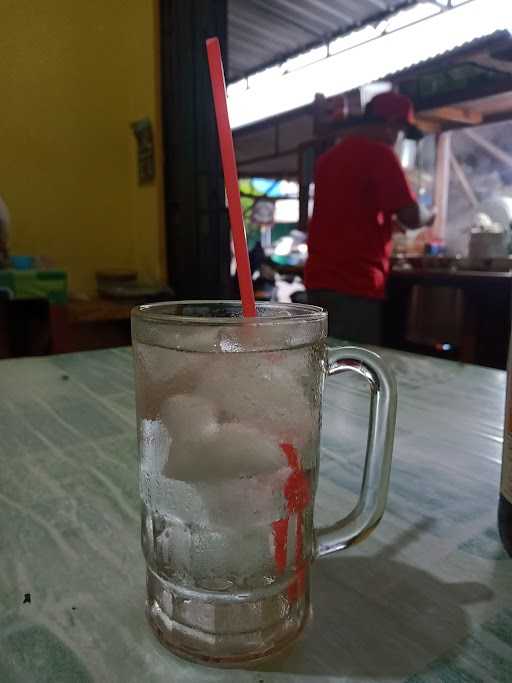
<point x="266" y="32"/>
<point x="262" y="152"/>
<point x="414" y="67"/>
<point x="460" y="28"/>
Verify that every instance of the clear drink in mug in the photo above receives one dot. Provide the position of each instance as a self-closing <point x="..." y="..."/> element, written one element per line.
<point x="229" y="416"/>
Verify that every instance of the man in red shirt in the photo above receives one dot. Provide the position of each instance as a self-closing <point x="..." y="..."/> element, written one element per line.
<point x="360" y="188"/>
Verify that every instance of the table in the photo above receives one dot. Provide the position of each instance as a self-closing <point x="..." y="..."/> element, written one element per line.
<point x="427" y="598"/>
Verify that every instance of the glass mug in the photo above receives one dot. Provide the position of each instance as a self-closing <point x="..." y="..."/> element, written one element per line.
<point x="228" y="416"/>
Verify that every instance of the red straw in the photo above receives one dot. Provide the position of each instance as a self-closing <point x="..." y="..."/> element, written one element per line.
<point x="227" y="152"/>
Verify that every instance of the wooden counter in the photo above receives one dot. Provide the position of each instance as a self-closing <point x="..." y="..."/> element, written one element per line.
<point x="485" y="318"/>
<point x="448" y="277"/>
<point x="487" y="307"/>
<point x="97" y="324"/>
<point x="98" y="310"/>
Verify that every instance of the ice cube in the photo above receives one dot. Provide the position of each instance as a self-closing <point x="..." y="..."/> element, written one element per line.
<point x="241" y="477"/>
<point x="161" y="373"/>
<point x="238" y="473"/>
<point x="174" y="547"/>
<point x="154" y="445"/>
<point x="246" y="501"/>
<point x="188" y="416"/>
<point x="261" y="390"/>
<point x="191" y="422"/>
<point x="236" y="450"/>
<point x="208" y="553"/>
<point x="162" y="365"/>
<point x="228" y="451"/>
<point x="231" y="554"/>
<point x="173" y="499"/>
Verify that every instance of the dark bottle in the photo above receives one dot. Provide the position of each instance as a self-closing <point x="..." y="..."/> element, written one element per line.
<point x="505" y="502"/>
<point x="505" y="523"/>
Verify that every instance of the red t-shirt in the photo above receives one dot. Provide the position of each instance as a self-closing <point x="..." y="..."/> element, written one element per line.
<point x="359" y="185"/>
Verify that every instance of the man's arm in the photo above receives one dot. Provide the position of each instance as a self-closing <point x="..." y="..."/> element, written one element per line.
<point x="414" y="216"/>
<point x="394" y="195"/>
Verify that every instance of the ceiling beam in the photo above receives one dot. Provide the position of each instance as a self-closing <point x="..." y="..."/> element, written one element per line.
<point x="490" y="147"/>
<point x="454" y="115"/>
<point x="428" y="125"/>
<point x="463" y="180"/>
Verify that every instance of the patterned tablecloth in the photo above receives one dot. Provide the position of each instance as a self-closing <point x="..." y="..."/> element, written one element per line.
<point x="428" y="598"/>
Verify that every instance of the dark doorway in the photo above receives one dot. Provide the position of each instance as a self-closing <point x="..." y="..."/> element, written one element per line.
<point x="197" y="229"/>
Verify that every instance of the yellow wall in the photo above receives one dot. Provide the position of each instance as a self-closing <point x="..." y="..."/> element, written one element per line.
<point x="73" y="76"/>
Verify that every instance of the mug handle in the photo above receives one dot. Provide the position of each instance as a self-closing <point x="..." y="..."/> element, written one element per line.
<point x="367" y="513"/>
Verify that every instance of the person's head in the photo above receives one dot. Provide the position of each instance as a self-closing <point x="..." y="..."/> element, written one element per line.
<point x="389" y="114"/>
